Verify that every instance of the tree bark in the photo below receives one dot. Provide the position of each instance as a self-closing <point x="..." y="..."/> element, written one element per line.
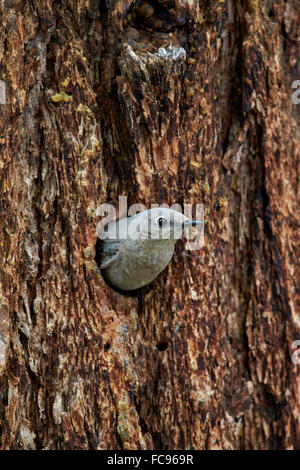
<point x="179" y="101"/>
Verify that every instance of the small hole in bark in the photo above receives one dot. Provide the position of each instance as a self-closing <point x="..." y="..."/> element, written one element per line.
<point x="106" y="347"/>
<point x="271" y="13"/>
<point x="154" y="15"/>
<point x="162" y="346"/>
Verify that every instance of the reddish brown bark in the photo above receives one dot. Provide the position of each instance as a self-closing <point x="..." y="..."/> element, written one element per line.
<point x="94" y="111"/>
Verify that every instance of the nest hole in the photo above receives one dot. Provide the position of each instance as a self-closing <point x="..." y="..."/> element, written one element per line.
<point x="162" y="346"/>
<point x="155" y="15"/>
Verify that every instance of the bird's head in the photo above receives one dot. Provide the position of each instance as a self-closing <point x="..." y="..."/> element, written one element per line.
<point x="159" y="224"/>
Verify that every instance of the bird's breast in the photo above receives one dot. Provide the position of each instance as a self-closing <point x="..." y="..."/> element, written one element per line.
<point x="139" y="264"/>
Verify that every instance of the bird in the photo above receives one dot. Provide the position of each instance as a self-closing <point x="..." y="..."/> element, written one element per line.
<point x="134" y="250"/>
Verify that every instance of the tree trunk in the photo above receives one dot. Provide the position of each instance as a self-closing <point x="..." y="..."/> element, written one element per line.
<point x="179" y="101"/>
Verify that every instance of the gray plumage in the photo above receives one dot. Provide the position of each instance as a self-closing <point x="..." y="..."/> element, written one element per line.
<point x="135" y="250"/>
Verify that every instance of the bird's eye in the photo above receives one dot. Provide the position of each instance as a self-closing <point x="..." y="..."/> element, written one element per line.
<point x="162" y="222"/>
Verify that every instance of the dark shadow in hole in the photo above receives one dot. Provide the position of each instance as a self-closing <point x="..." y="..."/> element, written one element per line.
<point x="106" y="347"/>
<point x="154" y="15"/>
<point x="162" y="346"/>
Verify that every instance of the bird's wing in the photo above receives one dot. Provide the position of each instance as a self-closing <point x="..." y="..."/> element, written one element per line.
<point x="107" y="252"/>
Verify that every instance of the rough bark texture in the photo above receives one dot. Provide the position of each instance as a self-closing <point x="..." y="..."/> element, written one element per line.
<point x="94" y="110"/>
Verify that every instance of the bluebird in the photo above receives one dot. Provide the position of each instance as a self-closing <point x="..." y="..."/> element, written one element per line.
<point x="133" y="251"/>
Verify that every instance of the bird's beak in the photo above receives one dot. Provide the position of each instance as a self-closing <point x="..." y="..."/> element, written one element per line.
<point x="192" y="223"/>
